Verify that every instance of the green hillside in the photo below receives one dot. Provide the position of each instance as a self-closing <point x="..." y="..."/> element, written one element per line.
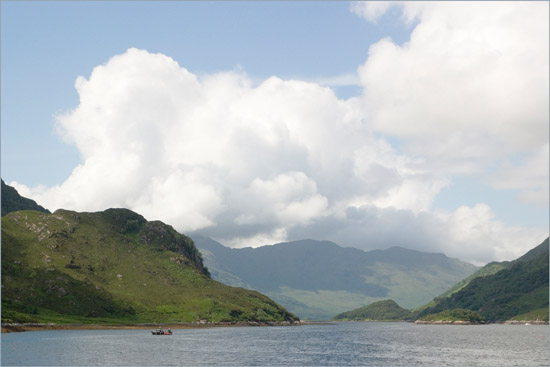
<point x="540" y="314"/>
<point x="489" y="269"/>
<point x="501" y="291"/>
<point x="319" y="279"/>
<point x="113" y="266"/>
<point x="493" y="268"/>
<point x="456" y="314"/>
<point x="12" y="201"/>
<point x="386" y="310"/>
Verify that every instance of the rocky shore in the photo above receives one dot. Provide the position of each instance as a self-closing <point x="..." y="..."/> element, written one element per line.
<point x="460" y="322"/>
<point x="526" y="322"/>
<point x="447" y="322"/>
<point x="17" y="327"/>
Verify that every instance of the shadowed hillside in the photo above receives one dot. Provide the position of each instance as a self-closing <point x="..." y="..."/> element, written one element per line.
<point x="12" y="201"/>
<point x="318" y="279"/>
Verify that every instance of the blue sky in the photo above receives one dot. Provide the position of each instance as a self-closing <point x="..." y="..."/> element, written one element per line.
<point x="46" y="46"/>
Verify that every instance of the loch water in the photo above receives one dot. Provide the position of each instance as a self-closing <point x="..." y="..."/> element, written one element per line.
<point x="332" y="344"/>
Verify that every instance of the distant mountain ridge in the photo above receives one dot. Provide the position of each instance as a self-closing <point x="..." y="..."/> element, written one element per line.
<point x="318" y="279"/>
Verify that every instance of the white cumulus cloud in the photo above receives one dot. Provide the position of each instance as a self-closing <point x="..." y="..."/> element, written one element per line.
<point x="474" y="230"/>
<point x="468" y="90"/>
<point x="256" y="163"/>
<point x="471" y="82"/>
<point x="216" y="151"/>
<point x="371" y="10"/>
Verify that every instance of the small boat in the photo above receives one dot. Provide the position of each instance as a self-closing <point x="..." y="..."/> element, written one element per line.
<point x="159" y="331"/>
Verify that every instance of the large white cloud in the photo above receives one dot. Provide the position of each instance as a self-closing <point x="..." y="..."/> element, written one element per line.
<point x="157" y="139"/>
<point x="257" y="163"/>
<point x="468" y="227"/>
<point x="470" y="84"/>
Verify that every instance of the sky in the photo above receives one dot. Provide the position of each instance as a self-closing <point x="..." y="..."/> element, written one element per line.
<point x="370" y="124"/>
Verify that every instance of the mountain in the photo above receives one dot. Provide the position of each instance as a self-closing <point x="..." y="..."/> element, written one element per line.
<point x="319" y="279"/>
<point x="501" y="291"/>
<point x="12" y="201"/>
<point x="386" y="310"/>
<point x="113" y="266"/>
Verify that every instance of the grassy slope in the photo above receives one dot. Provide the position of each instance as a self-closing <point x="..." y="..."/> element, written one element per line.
<point x="488" y="270"/>
<point x="386" y="310"/>
<point x="113" y="266"/>
<point x="519" y="287"/>
<point x="493" y="268"/>
<point x="535" y="315"/>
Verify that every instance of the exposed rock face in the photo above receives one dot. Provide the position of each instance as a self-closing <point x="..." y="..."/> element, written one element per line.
<point x="163" y="237"/>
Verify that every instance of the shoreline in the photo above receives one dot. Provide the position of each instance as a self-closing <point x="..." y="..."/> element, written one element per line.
<point x="461" y="322"/>
<point x="17" y="327"/>
<point x="448" y="322"/>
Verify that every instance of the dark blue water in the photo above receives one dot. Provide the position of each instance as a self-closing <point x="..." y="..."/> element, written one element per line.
<point x="338" y="344"/>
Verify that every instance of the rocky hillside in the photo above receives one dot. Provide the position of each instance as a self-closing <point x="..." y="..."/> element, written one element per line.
<point x="113" y="266"/>
<point x="12" y="201"/>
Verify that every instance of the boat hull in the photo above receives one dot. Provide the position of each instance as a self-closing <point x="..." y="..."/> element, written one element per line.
<point x="161" y="332"/>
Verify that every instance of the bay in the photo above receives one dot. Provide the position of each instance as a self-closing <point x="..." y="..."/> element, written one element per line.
<point x="334" y="344"/>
